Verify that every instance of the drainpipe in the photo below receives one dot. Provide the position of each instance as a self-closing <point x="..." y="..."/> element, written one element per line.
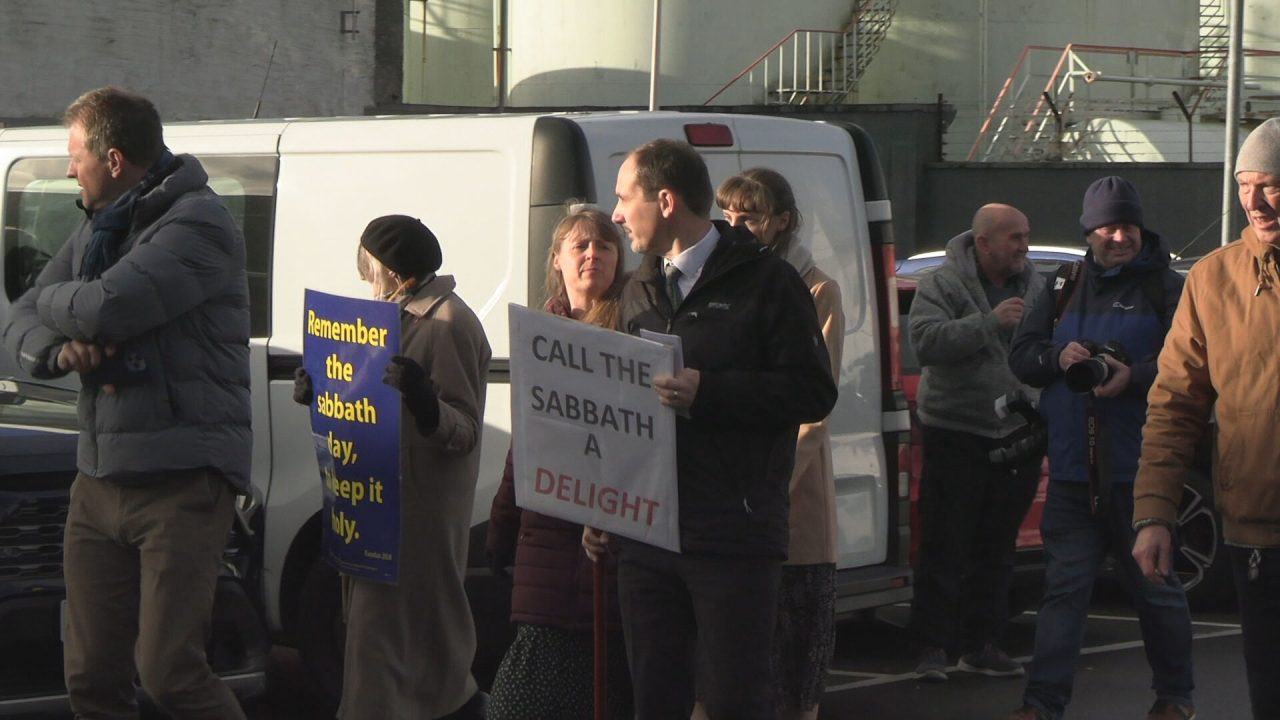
<point x="1234" y="61"/>
<point x="653" y="62"/>
<point x="500" y="55"/>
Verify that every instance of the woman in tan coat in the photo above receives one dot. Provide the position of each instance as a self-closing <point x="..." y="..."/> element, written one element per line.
<point x="762" y="200"/>
<point x="409" y="646"/>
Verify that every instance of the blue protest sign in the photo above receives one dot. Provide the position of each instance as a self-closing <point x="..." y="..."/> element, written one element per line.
<point x="355" y="421"/>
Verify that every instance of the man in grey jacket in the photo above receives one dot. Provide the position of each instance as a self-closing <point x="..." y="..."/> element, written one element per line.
<point x="977" y="482"/>
<point x="148" y="302"/>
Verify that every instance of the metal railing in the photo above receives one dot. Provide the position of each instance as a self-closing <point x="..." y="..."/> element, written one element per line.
<point x="1021" y="125"/>
<point x="803" y="66"/>
<point x="826" y="74"/>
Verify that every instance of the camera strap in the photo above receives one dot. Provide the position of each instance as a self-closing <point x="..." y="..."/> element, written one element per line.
<point x="1099" y="461"/>
<point x="1065" y="283"/>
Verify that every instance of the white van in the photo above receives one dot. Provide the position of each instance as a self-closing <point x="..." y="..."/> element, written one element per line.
<point x="491" y="187"/>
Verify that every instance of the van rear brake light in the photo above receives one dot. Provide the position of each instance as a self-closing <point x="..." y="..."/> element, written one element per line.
<point x="708" y="135"/>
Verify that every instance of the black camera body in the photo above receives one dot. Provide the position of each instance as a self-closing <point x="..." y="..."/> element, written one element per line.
<point x="1086" y="375"/>
<point x="1028" y="442"/>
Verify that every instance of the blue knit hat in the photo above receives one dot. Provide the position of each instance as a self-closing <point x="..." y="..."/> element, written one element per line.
<point x="1110" y="201"/>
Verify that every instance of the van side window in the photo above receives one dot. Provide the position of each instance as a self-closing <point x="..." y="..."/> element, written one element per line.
<point x="40" y="213"/>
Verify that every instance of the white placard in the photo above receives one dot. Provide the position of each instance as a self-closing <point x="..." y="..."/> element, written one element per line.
<point x="592" y="443"/>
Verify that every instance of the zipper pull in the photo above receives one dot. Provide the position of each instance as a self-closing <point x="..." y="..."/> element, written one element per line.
<point x="747" y="506"/>
<point x="1255" y="560"/>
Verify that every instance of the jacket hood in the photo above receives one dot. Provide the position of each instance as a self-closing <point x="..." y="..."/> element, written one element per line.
<point x="960" y="250"/>
<point x="962" y="254"/>
<point x="188" y="175"/>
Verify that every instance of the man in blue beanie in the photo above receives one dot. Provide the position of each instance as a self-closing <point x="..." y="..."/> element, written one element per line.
<point x="1091" y="342"/>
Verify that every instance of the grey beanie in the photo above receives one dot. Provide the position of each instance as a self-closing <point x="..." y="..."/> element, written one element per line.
<point x="1110" y="200"/>
<point x="1261" y="150"/>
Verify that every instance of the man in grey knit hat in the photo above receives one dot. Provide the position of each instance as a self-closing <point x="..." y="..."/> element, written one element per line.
<point x="1218" y="358"/>
<point x="976" y="486"/>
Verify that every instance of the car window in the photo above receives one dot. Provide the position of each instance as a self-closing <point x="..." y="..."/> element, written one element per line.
<point x="40" y="213"/>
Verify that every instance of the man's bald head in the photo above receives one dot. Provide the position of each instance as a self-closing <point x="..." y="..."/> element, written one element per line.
<point x="1000" y="236"/>
<point x="992" y="215"/>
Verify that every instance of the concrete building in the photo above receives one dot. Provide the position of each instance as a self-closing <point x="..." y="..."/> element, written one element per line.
<point x="200" y="59"/>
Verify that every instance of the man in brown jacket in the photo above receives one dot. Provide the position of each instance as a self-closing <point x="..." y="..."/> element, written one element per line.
<point x="1218" y="359"/>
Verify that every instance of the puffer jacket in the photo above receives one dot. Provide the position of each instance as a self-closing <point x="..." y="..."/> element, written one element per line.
<point x="1108" y="305"/>
<point x="1220" y="358"/>
<point x="961" y="346"/>
<point x="176" y="304"/>
<point x="750" y="328"/>
<point x="552" y="581"/>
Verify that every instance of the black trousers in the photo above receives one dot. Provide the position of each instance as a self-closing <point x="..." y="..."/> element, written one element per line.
<point x="970" y="511"/>
<point x="1260" y="621"/>
<point x="670" y="603"/>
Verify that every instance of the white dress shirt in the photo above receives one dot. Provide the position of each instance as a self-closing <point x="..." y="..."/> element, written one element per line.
<point x="692" y="260"/>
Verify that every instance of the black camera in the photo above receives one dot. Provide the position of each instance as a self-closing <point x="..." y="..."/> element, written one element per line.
<point x="1086" y="375"/>
<point x="1028" y="442"/>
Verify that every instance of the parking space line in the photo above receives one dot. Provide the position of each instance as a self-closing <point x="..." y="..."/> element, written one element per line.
<point x="1134" y="618"/>
<point x="855" y="673"/>
<point x="1095" y="650"/>
<point x="1193" y="621"/>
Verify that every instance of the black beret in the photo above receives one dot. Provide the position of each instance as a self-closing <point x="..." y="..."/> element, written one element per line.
<point x="403" y="244"/>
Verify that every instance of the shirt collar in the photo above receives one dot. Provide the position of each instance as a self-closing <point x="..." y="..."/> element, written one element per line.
<point x="692" y="259"/>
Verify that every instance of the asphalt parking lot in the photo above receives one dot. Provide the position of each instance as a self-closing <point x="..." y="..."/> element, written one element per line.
<point x="871" y="676"/>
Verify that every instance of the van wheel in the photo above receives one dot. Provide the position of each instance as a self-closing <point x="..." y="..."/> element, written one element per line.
<point x="1201" y="562"/>
<point x="321" y="633"/>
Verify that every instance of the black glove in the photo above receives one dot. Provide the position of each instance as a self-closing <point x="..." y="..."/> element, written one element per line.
<point x="407" y="376"/>
<point x="303" y="392"/>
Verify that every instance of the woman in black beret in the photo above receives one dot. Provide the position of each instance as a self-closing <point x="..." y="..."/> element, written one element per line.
<point x="409" y="646"/>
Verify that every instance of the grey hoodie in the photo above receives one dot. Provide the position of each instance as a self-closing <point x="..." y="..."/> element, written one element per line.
<point x="964" y="352"/>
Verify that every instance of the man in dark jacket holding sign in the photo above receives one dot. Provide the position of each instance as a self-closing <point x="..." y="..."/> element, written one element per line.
<point x="756" y="367"/>
<point x="148" y="303"/>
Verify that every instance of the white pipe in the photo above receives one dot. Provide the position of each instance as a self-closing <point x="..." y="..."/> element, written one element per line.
<point x="653" y="63"/>
<point x="1093" y="77"/>
<point x="1234" y="60"/>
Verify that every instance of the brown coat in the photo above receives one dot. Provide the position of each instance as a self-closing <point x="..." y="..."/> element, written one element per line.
<point x="410" y="646"/>
<point x="1220" y="357"/>
<point x="812" y="518"/>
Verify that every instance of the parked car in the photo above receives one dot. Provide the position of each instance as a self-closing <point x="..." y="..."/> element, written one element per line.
<point x="491" y="187"/>
<point x="37" y="464"/>
<point x="1202" y="563"/>
<point x="1047" y="259"/>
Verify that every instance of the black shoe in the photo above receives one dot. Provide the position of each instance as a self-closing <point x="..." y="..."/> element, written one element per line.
<point x="991" y="661"/>
<point x="932" y="666"/>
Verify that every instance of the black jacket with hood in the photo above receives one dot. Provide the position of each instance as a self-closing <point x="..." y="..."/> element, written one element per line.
<point x="749" y="327"/>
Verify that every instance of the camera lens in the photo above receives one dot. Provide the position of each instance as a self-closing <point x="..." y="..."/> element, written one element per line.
<point x="1087" y="374"/>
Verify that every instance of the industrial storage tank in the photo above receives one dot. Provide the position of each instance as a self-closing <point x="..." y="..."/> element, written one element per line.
<point x="575" y="52"/>
<point x="569" y="52"/>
